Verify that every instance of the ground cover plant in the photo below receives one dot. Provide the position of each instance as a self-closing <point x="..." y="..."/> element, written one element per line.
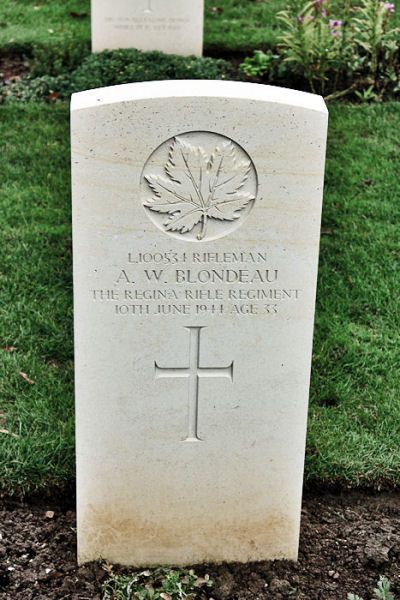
<point x="354" y="425"/>
<point x="156" y="584"/>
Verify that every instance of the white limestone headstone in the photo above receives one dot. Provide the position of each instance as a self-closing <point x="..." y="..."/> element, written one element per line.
<point x="196" y="219"/>
<point x="171" y="26"/>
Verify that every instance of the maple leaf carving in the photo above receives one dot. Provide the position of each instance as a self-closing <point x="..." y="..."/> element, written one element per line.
<point x="198" y="187"/>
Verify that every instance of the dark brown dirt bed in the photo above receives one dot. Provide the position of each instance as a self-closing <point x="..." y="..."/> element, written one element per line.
<point x="12" y="68"/>
<point x="347" y="541"/>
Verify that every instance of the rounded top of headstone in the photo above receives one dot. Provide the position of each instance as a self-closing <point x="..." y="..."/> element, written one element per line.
<point x="196" y="88"/>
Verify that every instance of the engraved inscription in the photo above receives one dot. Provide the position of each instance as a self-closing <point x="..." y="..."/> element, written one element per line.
<point x="146" y="20"/>
<point x="194" y="373"/>
<point x="236" y="283"/>
<point x="199" y="186"/>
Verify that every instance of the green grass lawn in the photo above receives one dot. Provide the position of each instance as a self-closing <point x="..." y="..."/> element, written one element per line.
<point x="36" y="288"/>
<point x="238" y="25"/>
<point x="354" y="423"/>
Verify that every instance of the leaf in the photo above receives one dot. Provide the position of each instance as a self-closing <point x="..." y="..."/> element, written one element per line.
<point x="185" y="219"/>
<point x="52" y="97"/>
<point x="227" y="209"/>
<point x="218" y="10"/>
<point x="200" y="581"/>
<point x="186" y="213"/>
<point x="9" y="433"/>
<point x="231" y="174"/>
<point x="198" y="187"/>
<point x="186" y="163"/>
<point x="25" y="376"/>
<point x="167" y="198"/>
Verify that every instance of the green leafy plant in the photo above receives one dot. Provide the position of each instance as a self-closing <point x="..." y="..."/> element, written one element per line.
<point x="261" y="63"/>
<point x="58" y="57"/>
<point x="377" y="42"/>
<point x="117" y="67"/>
<point x="158" y="584"/>
<point x="381" y="592"/>
<point x="334" y="55"/>
<point x="315" y="45"/>
<point x="367" y="95"/>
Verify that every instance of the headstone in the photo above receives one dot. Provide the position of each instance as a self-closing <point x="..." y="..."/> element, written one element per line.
<point x="196" y="216"/>
<point x="171" y="26"/>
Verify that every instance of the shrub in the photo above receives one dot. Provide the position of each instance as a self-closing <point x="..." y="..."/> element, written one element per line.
<point x="315" y="45"/>
<point x="377" y="42"/>
<point x="113" y="68"/>
<point x="335" y="56"/>
<point x="122" y="66"/>
<point x="59" y="57"/>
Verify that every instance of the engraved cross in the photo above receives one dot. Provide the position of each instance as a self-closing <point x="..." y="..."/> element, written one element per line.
<point x="194" y="373"/>
<point x="149" y="6"/>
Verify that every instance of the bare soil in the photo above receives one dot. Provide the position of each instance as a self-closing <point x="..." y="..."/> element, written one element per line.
<point x="12" y="68"/>
<point x="348" y="540"/>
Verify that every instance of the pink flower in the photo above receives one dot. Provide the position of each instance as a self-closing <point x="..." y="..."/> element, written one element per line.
<point x="389" y="6"/>
<point x="334" y="26"/>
